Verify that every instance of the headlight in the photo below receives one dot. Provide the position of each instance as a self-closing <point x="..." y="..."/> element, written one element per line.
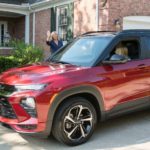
<point x="30" y="87"/>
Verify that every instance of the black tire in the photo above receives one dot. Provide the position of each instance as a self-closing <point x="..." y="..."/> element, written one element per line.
<point x="83" y="130"/>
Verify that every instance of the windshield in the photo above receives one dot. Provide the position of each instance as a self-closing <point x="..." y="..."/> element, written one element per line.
<point x="82" y="51"/>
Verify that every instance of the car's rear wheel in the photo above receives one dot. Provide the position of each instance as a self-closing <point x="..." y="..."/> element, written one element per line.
<point x="74" y="121"/>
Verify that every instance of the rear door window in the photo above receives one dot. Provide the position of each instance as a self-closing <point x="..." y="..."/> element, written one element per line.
<point x="145" y="54"/>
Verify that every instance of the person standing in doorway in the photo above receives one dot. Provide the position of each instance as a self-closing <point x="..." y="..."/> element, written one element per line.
<point x="53" y="41"/>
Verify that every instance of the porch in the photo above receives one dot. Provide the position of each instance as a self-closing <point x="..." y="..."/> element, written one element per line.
<point x="14" y="24"/>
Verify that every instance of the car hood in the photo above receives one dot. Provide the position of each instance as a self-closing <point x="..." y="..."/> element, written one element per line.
<point x="36" y="73"/>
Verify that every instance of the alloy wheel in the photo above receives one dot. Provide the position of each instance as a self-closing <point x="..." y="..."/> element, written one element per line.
<point x="78" y="123"/>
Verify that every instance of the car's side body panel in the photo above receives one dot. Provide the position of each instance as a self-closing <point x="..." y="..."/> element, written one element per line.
<point x="124" y="82"/>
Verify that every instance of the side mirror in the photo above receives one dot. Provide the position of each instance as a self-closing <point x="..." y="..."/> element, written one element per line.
<point x="116" y="59"/>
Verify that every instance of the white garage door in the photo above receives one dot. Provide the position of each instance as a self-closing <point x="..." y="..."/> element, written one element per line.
<point x="136" y="22"/>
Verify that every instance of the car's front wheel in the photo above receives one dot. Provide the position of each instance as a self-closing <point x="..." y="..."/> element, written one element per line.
<point x="74" y="121"/>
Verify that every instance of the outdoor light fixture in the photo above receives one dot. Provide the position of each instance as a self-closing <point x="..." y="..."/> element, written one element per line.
<point x="103" y="3"/>
<point x="117" y="24"/>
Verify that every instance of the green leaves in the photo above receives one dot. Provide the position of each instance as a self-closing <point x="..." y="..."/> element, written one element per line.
<point x="26" y="54"/>
<point x="23" y="54"/>
<point x="7" y="62"/>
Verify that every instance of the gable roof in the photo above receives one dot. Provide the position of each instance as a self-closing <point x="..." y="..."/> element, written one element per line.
<point x="19" y="2"/>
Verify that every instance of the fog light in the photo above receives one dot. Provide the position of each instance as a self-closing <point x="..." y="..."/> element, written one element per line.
<point x="30" y="106"/>
<point x="30" y="102"/>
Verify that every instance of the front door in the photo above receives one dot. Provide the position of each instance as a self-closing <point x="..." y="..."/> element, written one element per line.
<point x="128" y="82"/>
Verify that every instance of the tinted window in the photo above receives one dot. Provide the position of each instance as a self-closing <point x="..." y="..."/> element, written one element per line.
<point x="146" y="48"/>
<point x="127" y="48"/>
<point x="83" y="51"/>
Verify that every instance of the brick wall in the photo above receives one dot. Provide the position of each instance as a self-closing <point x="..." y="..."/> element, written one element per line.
<point x="103" y="17"/>
<point x="20" y="28"/>
<point x="117" y="9"/>
<point x="84" y="16"/>
<point x="42" y="24"/>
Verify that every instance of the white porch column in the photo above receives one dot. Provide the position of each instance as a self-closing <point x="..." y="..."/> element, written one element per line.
<point x="27" y="28"/>
<point x="33" y="29"/>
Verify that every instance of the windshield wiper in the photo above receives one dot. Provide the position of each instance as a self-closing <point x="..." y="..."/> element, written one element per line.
<point x="61" y="62"/>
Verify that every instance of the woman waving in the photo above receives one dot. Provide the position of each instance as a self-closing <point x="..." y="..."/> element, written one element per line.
<point x="53" y="41"/>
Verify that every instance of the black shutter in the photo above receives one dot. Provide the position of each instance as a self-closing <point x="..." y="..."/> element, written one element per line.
<point x="53" y="19"/>
<point x="70" y="21"/>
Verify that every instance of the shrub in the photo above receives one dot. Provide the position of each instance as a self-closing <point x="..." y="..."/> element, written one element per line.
<point x="22" y="54"/>
<point x="26" y="54"/>
<point x="7" y="62"/>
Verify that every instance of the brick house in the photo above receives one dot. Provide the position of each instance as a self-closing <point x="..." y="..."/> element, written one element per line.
<point x="29" y="20"/>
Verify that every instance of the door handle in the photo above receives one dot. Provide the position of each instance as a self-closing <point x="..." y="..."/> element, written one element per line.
<point x="141" y="66"/>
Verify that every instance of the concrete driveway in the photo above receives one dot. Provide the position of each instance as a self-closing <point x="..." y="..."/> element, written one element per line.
<point x="131" y="132"/>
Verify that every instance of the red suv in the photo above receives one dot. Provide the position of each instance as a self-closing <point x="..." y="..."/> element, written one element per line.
<point x="97" y="76"/>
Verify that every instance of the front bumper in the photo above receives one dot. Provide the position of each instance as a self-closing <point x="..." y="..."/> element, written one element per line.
<point x="23" y="122"/>
<point x="29" y="126"/>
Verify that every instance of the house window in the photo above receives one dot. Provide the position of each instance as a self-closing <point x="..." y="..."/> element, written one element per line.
<point x="62" y="22"/>
<point x="3" y="30"/>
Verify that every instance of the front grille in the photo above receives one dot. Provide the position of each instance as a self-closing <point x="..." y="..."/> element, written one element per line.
<point x="28" y="127"/>
<point x="6" y="89"/>
<point x="6" y="109"/>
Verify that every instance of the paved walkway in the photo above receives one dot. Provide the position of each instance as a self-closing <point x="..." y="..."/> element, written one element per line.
<point x="131" y="132"/>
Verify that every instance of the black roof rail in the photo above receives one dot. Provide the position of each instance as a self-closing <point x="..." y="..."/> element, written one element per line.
<point x="89" y="32"/>
<point x="135" y="30"/>
<point x="115" y="32"/>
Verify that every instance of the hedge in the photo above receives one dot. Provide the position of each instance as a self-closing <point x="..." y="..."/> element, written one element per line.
<point x="23" y="54"/>
<point x="7" y="63"/>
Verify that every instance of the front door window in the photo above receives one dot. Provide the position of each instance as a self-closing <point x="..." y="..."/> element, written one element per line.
<point x="129" y="49"/>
